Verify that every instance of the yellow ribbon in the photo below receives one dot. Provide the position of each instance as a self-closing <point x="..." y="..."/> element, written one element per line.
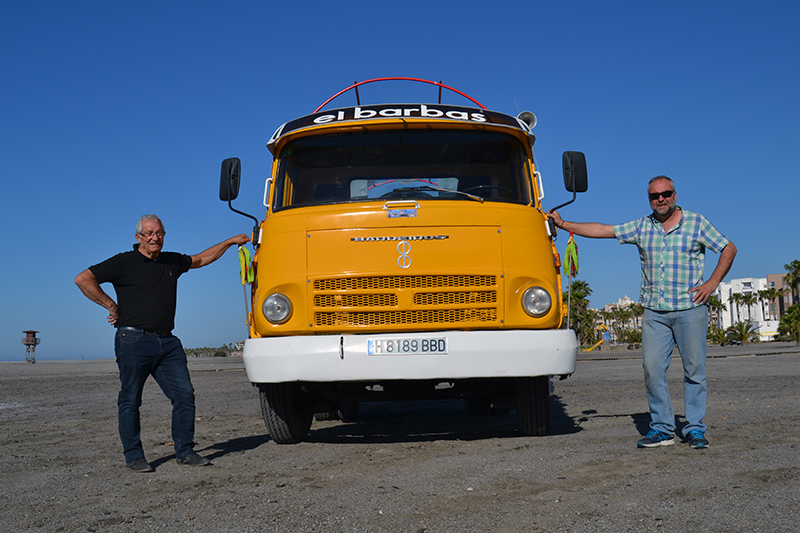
<point x="246" y="266"/>
<point x="571" y="259"/>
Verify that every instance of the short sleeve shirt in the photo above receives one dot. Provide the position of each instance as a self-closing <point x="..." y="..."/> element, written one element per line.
<point x="672" y="262"/>
<point x="147" y="289"/>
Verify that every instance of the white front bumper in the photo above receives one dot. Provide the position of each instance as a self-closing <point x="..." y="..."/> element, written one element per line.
<point x="471" y="354"/>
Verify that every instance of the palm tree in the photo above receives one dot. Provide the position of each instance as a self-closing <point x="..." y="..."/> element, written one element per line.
<point x="587" y="330"/>
<point x="793" y="279"/>
<point x="749" y="299"/>
<point x="716" y="307"/>
<point x="581" y="291"/>
<point x="622" y="317"/>
<point x="744" y="332"/>
<point x="637" y="311"/>
<point x="716" y="335"/>
<point x="736" y="298"/>
<point x="604" y="316"/>
<point x="763" y="296"/>
<point x="790" y="324"/>
<point x="626" y="314"/>
<point x="767" y="296"/>
<point x="578" y="305"/>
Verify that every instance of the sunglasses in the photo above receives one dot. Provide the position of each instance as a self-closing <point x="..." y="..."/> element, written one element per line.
<point x="666" y="194"/>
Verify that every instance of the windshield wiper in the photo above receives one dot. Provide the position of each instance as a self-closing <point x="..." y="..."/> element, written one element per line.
<point x="440" y="189"/>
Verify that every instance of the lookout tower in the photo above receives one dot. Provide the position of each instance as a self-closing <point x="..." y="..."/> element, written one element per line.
<point x="30" y="341"/>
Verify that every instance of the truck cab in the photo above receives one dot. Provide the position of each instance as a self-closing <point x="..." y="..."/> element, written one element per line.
<point x="405" y="254"/>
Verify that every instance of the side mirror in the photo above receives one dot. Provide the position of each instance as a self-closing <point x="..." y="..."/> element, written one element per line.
<point x="229" y="190"/>
<point x="229" y="179"/>
<point x="575" y="176"/>
<point x="575" y="179"/>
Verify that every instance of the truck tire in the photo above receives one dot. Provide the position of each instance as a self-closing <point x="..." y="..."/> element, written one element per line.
<point x="533" y="405"/>
<point x="287" y="411"/>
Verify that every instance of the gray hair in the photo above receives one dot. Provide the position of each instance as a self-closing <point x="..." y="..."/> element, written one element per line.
<point x="657" y="178"/>
<point x="148" y="217"/>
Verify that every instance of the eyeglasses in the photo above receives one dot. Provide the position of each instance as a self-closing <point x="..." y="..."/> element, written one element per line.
<point x="666" y="194"/>
<point x="148" y="234"/>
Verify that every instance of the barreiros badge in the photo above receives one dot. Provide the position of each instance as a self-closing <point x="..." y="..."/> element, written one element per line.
<point x="392" y="238"/>
<point x="401" y="213"/>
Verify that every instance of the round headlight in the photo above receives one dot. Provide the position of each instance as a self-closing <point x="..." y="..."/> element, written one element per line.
<point x="536" y="301"/>
<point x="277" y="308"/>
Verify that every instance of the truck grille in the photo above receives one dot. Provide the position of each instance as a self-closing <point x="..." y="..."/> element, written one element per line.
<point x="403" y="282"/>
<point x="355" y="300"/>
<point x="441" y="300"/>
<point x="450" y="298"/>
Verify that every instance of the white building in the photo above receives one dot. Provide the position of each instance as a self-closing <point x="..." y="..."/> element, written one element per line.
<point x="756" y="313"/>
<point x="621" y="304"/>
<point x="609" y="321"/>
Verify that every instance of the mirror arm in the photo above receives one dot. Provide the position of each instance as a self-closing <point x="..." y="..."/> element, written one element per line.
<point x="551" y="224"/>
<point x="229" y="179"/>
<point x="255" y="237"/>
<point x="574" y="195"/>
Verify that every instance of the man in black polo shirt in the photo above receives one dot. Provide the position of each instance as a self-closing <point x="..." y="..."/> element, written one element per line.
<point x="146" y="283"/>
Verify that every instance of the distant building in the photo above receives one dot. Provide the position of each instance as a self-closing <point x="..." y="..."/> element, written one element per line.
<point x="778" y="306"/>
<point x="765" y="314"/>
<point x="621" y="304"/>
<point x="608" y="320"/>
<point x="759" y="313"/>
<point x="238" y="350"/>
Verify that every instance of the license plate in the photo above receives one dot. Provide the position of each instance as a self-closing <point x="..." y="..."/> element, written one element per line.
<point x="416" y="346"/>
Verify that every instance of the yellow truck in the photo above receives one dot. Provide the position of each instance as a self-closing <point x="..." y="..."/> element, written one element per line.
<point x="405" y="254"/>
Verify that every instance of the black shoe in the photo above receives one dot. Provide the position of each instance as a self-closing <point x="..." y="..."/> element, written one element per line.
<point x="192" y="459"/>
<point x="656" y="438"/>
<point x="139" y="465"/>
<point x="697" y="439"/>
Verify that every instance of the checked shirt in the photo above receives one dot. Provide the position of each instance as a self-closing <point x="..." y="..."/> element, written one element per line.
<point x="672" y="262"/>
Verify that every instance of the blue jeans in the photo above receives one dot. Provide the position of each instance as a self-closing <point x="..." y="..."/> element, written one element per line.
<point x="140" y="355"/>
<point x="661" y="332"/>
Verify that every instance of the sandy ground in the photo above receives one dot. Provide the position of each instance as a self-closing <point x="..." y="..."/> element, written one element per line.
<point x="406" y="467"/>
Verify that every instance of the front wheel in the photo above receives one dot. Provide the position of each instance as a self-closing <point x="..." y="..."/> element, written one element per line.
<point x="287" y="411"/>
<point x="533" y="405"/>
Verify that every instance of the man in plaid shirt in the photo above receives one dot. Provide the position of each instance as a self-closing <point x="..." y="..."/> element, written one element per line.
<point x="672" y="244"/>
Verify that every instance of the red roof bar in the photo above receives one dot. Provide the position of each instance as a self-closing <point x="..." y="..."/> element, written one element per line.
<point x="438" y="84"/>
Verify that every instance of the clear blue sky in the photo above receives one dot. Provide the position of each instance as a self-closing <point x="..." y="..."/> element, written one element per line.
<point x="115" y="109"/>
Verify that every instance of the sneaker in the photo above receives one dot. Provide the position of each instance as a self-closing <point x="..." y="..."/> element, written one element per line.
<point x="192" y="459"/>
<point x="697" y="439"/>
<point x="139" y="465"/>
<point x="656" y="438"/>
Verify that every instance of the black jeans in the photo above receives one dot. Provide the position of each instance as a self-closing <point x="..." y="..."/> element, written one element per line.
<point x="140" y="355"/>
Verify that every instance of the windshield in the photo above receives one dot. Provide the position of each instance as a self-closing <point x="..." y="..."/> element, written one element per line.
<point x="419" y="164"/>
